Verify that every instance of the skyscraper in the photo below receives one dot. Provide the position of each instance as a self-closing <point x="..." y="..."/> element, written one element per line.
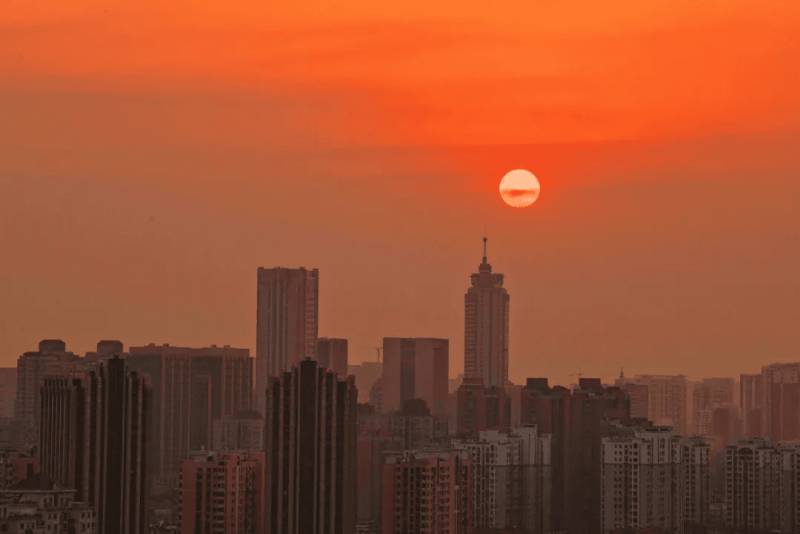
<point x="8" y="391"/>
<point x="119" y="408"/>
<point x="192" y="387"/>
<point x="93" y="436"/>
<point x="332" y="353"/>
<point x="667" y="401"/>
<point x="415" y="368"/>
<point x="486" y="326"/>
<point x="310" y="445"/>
<point x="62" y="432"/>
<point x="287" y="319"/>
<point x="52" y="359"/>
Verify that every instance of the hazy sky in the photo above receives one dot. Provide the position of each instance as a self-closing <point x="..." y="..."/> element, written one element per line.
<point x="151" y="157"/>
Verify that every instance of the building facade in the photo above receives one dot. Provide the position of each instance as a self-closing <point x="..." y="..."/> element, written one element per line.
<point x="332" y="353"/>
<point x="52" y="359"/>
<point x="310" y="447"/>
<point x="40" y="506"/>
<point x="191" y="388"/>
<point x="94" y="433"/>
<point x="511" y="480"/>
<point x="654" y="479"/>
<point x="287" y="322"/>
<point x="486" y="320"/>
<point x="427" y="492"/>
<point x="415" y="368"/>
<point x="222" y="493"/>
<point x="8" y="391"/>
<point x="762" y="480"/>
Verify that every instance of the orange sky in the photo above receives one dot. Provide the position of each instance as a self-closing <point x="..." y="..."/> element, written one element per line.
<point x="152" y="156"/>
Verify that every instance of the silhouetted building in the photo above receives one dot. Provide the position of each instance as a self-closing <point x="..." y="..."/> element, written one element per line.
<point x="710" y="394"/>
<point x="486" y="320"/>
<point x="415" y="368"/>
<point x="653" y="478"/>
<point x="372" y="440"/>
<point x="93" y="440"/>
<point x="287" y="322"/>
<point x="119" y="407"/>
<point x="310" y="445"/>
<point x="548" y="409"/>
<point x="366" y="374"/>
<point x="192" y="387"/>
<point x="427" y="492"/>
<point x="592" y="408"/>
<point x="751" y="398"/>
<point x="481" y="408"/>
<point x="52" y="359"/>
<point x="511" y="476"/>
<point x="106" y="348"/>
<point x="62" y="435"/>
<point x="222" y="493"/>
<point x="667" y="400"/>
<point x="761" y="482"/>
<point x="39" y="506"/>
<point x="8" y="391"/>
<point x="332" y="353"/>
<point x="244" y="431"/>
<point x="639" y="395"/>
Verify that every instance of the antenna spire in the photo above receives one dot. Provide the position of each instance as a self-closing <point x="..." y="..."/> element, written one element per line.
<point x="485" y="240"/>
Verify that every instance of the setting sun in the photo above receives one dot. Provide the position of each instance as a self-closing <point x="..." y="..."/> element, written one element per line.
<point x="519" y="188"/>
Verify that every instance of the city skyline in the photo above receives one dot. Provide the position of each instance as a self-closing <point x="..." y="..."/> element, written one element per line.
<point x="399" y="268"/>
<point x="664" y="239"/>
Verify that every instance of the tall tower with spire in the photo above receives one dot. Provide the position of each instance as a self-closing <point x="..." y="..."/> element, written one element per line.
<point x="486" y="326"/>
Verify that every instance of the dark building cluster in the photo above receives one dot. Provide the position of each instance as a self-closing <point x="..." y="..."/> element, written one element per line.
<point x="167" y="439"/>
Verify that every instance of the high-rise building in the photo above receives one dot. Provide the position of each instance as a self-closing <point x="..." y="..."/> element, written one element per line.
<point x="639" y="395"/>
<point x="37" y="505"/>
<point x="332" y="353"/>
<point x="653" y="478"/>
<point x="751" y="398"/>
<point x="548" y="409"/>
<point x="593" y="411"/>
<point x="415" y="368"/>
<point x="781" y="401"/>
<point x="511" y="476"/>
<point x="486" y="320"/>
<point x="667" y="400"/>
<point x="709" y="395"/>
<point x="117" y="432"/>
<point x="52" y="359"/>
<point x="93" y="436"/>
<point x="62" y="433"/>
<point x="372" y="440"/>
<point x="192" y="387"/>
<point x="366" y="374"/>
<point x="287" y="322"/>
<point x="480" y="408"/>
<point x="427" y="492"/>
<point x="310" y="446"/>
<point x="222" y="493"/>
<point x="8" y="391"/>
<point x="761" y="482"/>
<point x="244" y="431"/>
<point x="106" y="348"/>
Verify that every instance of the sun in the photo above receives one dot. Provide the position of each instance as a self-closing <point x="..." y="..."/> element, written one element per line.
<point x="519" y="188"/>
